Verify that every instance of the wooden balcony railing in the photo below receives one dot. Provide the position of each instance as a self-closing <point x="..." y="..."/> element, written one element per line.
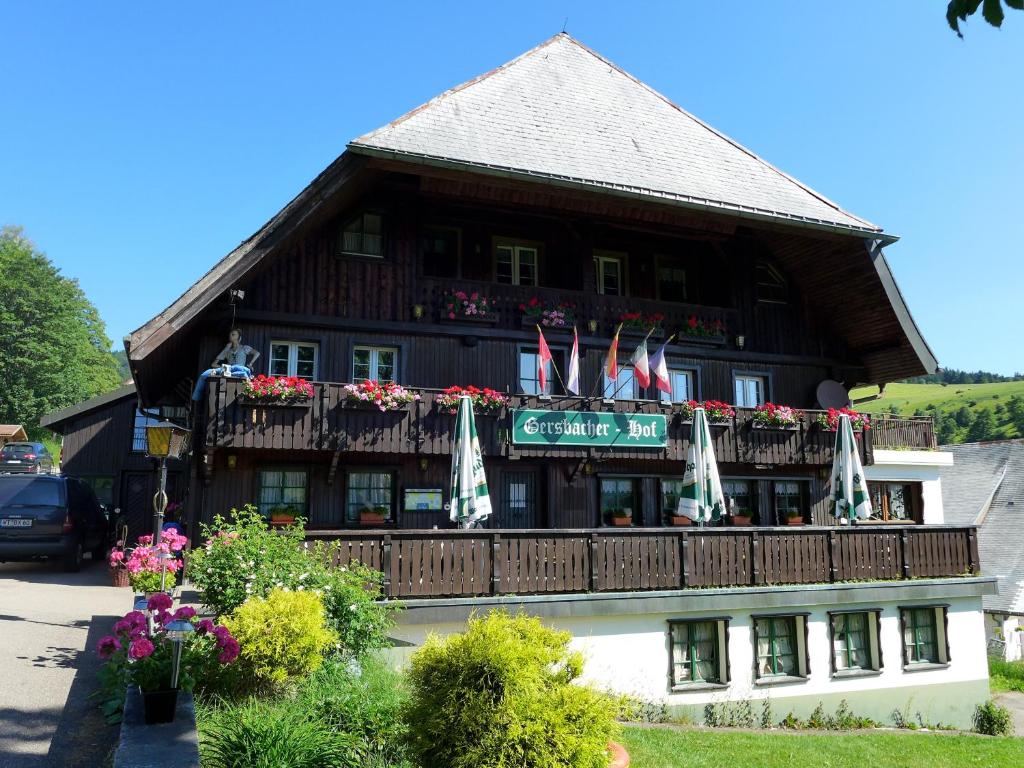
<point x="903" y="432"/>
<point x="329" y="423"/>
<point x="424" y="564"/>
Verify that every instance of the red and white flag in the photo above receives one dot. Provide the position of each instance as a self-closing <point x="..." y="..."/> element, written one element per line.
<point x="660" y="369"/>
<point x="572" y="382"/>
<point x="543" y="360"/>
<point x="640" y="365"/>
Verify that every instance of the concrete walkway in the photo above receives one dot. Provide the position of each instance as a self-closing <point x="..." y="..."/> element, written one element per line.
<point x="50" y="622"/>
<point x="1014" y="702"/>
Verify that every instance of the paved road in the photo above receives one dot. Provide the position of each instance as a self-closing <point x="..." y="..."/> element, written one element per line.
<point x="50" y="622"/>
<point x="1014" y="702"/>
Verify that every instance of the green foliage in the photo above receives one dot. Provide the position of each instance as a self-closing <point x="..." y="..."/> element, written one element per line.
<point x="147" y="582"/>
<point x="991" y="10"/>
<point x="1006" y="675"/>
<point x="845" y="720"/>
<point x="992" y="719"/>
<point x="54" y="351"/>
<point x="364" y="699"/>
<point x="282" y="636"/>
<point x="275" y="733"/>
<point x="631" y="709"/>
<point x="730" y="714"/>
<point x="766" y="714"/>
<point x="500" y="695"/>
<point x="817" y="719"/>
<point x="244" y="557"/>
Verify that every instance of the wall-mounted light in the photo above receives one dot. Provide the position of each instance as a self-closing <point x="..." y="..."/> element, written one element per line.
<point x="232" y="461"/>
<point x="592" y="325"/>
<point x="424" y="463"/>
<point x="588" y="468"/>
<point x="741" y="342"/>
<point x="417" y="311"/>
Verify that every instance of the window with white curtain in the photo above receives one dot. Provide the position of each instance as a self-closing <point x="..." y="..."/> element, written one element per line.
<point x="283" y="491"/>
<point x="698" y="652"/>
<point x="781" y="652"/>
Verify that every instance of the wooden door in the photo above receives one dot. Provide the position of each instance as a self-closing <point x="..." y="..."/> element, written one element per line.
<point x="517" y="506"/>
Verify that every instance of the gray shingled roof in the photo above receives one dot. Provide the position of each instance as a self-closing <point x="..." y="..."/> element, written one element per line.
<point x="985" y="485"/>
<point x="563" y="112"/>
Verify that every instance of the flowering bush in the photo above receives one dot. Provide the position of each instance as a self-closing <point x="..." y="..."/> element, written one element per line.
<point x="699" y="326"/>
<point x="136" y="655"/>
<point x="278" y="389"/>
<point x="244" y="558"/>
<point x="484" y="400"/>
<point x="388" y="396"/>
<point x="462" y="304"/>
<point x="772" y="415"/>
<point x="640" y="321"/>
<point x="830" y="420"/>
<point x="716" y="411"/>
<point x="143" y="561"/>
<point x="560" y="315"/>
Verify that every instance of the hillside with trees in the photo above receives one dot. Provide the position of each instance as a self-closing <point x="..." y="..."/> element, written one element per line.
<point x="54" y="350"/>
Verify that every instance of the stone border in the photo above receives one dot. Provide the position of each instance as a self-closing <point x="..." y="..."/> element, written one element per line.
<point x="167" y="745"/>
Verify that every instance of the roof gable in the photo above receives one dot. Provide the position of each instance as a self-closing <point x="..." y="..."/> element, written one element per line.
<point x="564" y="112"/>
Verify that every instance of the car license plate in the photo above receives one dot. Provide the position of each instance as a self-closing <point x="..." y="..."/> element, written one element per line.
<point x="16" y="522"/>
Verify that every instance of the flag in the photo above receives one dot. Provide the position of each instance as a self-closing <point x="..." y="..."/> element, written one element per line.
<point x="543" y="358"/>
<point x="611" y="364"/>
<point x="470" y="499"/>
<point x="640" y="369"/>
<point x="701" y="498"/>
<point x="850" y="496"/>
<point x="572" y="383"/>
<point x="660" y="369"/>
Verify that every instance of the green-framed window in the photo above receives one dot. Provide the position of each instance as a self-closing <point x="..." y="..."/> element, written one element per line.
<point x="618" y="498"/>
<point x="284" y="491"/>
<point x="370" y="491"/>
<point x="696" y="652"/>
<point x="921" y="636"/>
<point x="778" y="647"/>
<point x="851" y="644"/>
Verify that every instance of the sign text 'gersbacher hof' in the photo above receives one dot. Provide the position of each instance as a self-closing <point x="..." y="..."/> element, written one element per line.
<point x="621" y="430"/>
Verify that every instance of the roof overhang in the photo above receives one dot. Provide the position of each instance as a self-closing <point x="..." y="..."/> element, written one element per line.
<point x="56" y="420"/>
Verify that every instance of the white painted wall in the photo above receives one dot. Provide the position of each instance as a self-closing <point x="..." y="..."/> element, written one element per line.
<point x="1008" y="629"/>
<point x="915" y="466"/>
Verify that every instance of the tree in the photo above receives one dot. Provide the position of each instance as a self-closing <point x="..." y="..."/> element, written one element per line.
<point x="945" y="428"/>
<point x="54" y="349"/>
<point x="963" y="416"/>
<point x="1015" y="413"/>
<point x="991" y="11"/>
<point x="983" y="427"/>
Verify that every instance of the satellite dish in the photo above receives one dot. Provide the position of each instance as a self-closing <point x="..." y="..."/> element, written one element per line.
<point x="832" y="394"/>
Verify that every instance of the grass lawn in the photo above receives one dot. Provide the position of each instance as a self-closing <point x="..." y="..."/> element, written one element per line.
<point x="1006" y="676"/>
<point x="911" y="397"/>
<point x="691" y="748"/>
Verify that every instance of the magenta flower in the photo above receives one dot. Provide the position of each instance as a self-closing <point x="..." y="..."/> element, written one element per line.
<point x="140" y="648"/>
<point x="159" y="602"/>
<point x="229" y="652"/>
<point x="204" y="626"/>
<point x="107" y="646"/>
<point x="185" y="612"/>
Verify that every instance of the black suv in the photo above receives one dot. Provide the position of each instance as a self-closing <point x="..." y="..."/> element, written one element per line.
<point x="50" y="517"/>
<point x="32" y="458"/>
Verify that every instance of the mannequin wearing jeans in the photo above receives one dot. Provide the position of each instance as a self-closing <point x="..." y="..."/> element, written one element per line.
<point x="233" y="360"/>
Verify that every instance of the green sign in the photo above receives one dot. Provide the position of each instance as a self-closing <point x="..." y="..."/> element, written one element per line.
<point x="621" y="430"/>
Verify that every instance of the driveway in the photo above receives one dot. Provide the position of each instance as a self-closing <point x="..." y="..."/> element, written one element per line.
<point x="50" y="622"/>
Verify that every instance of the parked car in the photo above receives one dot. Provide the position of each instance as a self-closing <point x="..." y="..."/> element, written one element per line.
<point x="50" y="517"/>
<point x="32" y="458"/>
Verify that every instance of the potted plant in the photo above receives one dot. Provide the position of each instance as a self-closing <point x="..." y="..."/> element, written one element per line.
<point x="557" y="315"/>
<point x="146" y="564"/>
<point x="639" y="324"/>
<point x="388" y="396"/>
<point x="375" y="515"/>
<point x="117" y="560"/>
<point x="716" y="411"/>
<point x="137" y="654"/>
<point x="468" y="307"/>
<point x="794" y="517"/>
<point x="703" y="330"/>
<point x="772" y="416"/>
<point x="282" y="516"/>
<point x="677" y="519"/>
<point x="486" y="401"/>
<point x="830" y="419"/>
<point x="277" y="390"/>
<point x="740" y="519"/>
<point x="622" y="517"/>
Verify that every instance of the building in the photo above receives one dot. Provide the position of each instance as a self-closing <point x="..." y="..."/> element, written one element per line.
<point x="12" y="433"/>
<point x="559" y="184"/>
<point x="985" y="487"/>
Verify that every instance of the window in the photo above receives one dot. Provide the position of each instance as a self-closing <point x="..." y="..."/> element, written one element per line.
<point x="895" y="502"/>
<point x="682" y="387"/>
<point x="293" y="358"/>
<point x="769" y="284"/>
<point x="781" y="650"/>
<point x="670" y="493"/>
<point x="855" y="646"/>
<point x="610" y="274"/>
<point x="625" y="387"/>
<point x="671" y="282"/>
<point x="516" y="265"/>
<point x="789" y="500"/>
<point x="924" y="635"/>
<point x="529" y="383"/>
<point x="374" y="363"/>
<point x="143" y="420"/>
<point x="103" y="487"/>
<point x="751" y="391"/>
<point x="618" y="498"/>
<point x="284" y="491"/>
<point x="371" y="492"/>
<point x="698" y="653"/>
<point x="364" y="236"/>
<point x="440" y="248"/>
<point x="740" y="497"/>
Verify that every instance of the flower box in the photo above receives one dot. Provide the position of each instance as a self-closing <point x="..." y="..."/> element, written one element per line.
<point x="794" y="521"/>
<point x="280" y="391"/>
<point x="530" y="322"/>
<point x="371" y="519"/>
<point x="829" y="422"/>
<point x="719" y="414"/>
<point x="489" y="320"/>
<point x="560" y="316"/>
<point x="621" y="522"/>
<point x="636" y="332"/>
<point x="780" y="417"/>
<point x="708" y="341"/>
<point x="486" y="401"/>
<point x="471" y="307"/>
<point x="680" y="520"/>
<point x="248" y="402"/>
<point x="740" y="520"/>
<point x="382" y="397"/>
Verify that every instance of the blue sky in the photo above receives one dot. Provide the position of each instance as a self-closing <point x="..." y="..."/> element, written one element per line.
<point x="140" y="143"/>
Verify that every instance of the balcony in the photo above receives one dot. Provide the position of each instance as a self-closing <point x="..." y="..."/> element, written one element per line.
<point x="329" y="423"/>
<point x="902" y="433"/>
<point x="477" y="563"/>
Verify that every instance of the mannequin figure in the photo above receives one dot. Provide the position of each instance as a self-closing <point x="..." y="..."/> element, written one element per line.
<point x="233" y="360"/>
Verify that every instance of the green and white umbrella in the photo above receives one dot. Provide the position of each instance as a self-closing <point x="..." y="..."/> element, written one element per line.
<point x="850" y="495"/>
<point x="701" y="499"/>
<point x="470" y="499"/>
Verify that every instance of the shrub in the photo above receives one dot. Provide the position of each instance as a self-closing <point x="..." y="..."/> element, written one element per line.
<point x="271" y="733"/>
<point x="817" y="719"/>
<point x="502" y="694"/>
<point x="993" y="719"/>
<point x="766" y="714"/>
<point x="632" y="709"/>
<point x="282" y="636"/>
<point x="365" y="700"/>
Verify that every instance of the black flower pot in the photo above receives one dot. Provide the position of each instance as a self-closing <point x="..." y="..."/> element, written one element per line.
<point x="159" y="706"/>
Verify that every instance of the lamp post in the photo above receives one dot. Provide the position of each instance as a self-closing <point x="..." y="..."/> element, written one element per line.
<point x="164" y="441"/>
<point x="177" y="631"/>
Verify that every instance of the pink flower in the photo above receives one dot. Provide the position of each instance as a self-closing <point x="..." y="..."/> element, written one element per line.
<point x="229" y="652"/>
<point x="204" y="626"/>
<point x="185" y="612"/>
<point x="140" y="648"/>
<point x="159" y="602"/>
<point x="107" y="646"/>
<point x="116" y="556"/>
<point x="451" y="315"/>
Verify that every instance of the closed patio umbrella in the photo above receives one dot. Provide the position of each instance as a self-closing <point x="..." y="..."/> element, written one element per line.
<point x="850" y="495"/>
<point x="701" y="498"/>
<point x="470" y="500"/>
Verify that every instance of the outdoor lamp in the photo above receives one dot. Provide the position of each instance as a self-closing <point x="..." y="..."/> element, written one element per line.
<point x="592" y="325"/>
<point x="177" y="631"/>
<point x="164" y="557"/>
<point x="741" y="341"/>
<point x="165" y="440"/>
<point x="417" y="311"/>
<point x="141" y="604"/>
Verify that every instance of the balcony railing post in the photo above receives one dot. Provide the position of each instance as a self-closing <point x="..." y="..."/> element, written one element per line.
<point x="833" y="555"/>
<point x="684" y="554"/>
<point x="594" y="547"/>
<point x="756" y="568"/>
<point x="908" y="569"/>
<point x="973" y="561"/>
<point x="385" y="563"/>
<point x="495" y="563"/>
